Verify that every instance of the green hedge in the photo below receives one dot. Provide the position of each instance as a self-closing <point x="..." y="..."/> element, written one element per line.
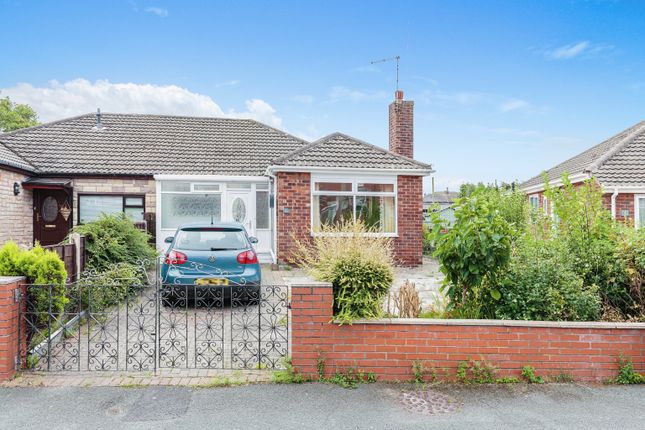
<point x="41" y="267"/>
<point x="114" y="239"/>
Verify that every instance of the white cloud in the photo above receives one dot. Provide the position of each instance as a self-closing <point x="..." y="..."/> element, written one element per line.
<point x="303" y="98"/>
<point x="340" y="93"/>
<point x="60" y="100"/>
<point x="514" y="104"/>
<point x="157" y="11"/>
<point x="230" y="83"/>
<point x="578" y="49"/>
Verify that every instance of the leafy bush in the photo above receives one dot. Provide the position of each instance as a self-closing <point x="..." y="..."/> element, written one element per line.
<point x="474" y="250"/>
<point x="358" y="265"/>
<point x="99" y="291"/>
<point x="592" y="238"/>
<point x="41" y="267"/>
<point x="427" y="240"/>
<point x="113" y="239"/>
<point x="632" y="253"/>
<point x="568" y="266"/>
<point x="541" y="284"/>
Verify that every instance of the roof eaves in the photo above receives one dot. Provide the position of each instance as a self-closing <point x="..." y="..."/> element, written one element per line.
<point x="23" y="164"/>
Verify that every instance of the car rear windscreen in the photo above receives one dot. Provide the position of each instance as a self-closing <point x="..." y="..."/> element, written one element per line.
<point x="210" y="240"/>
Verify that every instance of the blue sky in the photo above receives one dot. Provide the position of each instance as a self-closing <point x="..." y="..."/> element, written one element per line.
<point x="502" y="89"/>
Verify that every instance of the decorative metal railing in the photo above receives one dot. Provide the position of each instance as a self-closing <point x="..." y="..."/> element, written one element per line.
<point x="143" y="324"/>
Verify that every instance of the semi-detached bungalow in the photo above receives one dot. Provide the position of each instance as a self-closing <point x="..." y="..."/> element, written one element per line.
<point x="164" y="171"/>
<point x="617" y="165"/>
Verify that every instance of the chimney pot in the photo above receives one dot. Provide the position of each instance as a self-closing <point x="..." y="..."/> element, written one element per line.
<point x="398" y="95"/>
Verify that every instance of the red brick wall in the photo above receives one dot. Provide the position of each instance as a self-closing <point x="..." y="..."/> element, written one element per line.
<point x="9" y="321"/>
<point x="294" y="193"/>
<point x="587" y="351"/>
<point x="624" y="202"/>
<point x="16" y="219"/>
<point x="401" y="117"/>
<point x="408" y="246"/>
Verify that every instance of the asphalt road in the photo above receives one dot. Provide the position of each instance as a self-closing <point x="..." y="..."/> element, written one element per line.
<point x="374" y="406"/>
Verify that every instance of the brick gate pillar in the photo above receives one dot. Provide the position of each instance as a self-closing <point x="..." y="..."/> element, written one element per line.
<point x="9" y="324"/>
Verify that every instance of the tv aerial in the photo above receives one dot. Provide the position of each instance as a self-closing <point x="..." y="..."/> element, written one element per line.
<point x="385" y="60"/>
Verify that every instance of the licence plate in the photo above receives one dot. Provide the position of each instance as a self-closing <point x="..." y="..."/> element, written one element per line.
<point x="211" y="281"/>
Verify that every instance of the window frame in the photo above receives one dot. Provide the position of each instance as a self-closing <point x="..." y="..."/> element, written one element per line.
<point x="536" y="198"/>
<point x="255" y="204"/>
<point x="387" y="180"/>
<point x="123" y="196"/>
<point x="637" y="208"/>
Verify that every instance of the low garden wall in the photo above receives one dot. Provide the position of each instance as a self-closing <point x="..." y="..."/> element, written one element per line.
<point x="10" y="325"/>
<point x="388" y="347"/>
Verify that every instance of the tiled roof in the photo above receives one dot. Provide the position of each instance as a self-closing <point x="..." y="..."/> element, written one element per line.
<point x="340" y="150"/>
<point x="150" y="144"/>
<point x="619" y="160"/>
<point x="129" y="144"/>
<point x="441" y="196"/>
<point x="10" y="158"/>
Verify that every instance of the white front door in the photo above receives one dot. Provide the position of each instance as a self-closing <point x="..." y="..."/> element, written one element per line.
<point x="239" y="210"/>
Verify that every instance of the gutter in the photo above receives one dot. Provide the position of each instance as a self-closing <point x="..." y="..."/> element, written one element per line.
<point x="374" y="171"/>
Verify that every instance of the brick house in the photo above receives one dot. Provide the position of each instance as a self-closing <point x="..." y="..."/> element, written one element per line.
<point x="617" y="165"/>
<point x="164" y="171"/>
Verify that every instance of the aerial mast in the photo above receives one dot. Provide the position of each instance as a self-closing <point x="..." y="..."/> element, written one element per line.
<point x="384" y="60"/>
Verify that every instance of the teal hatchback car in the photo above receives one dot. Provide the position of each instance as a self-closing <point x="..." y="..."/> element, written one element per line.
<point x="219" y="256"/>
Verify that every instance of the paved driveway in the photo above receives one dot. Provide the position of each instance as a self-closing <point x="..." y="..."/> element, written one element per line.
<point x="201" y="333"/>
<point x="375" y="406"/>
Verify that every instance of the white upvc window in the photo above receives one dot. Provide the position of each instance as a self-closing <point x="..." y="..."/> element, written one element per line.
<point x="534" y="201"/>
<point x="545" y="205"/>
<point x="639" y="210"/>
<point x="184" y="202"/>
<point x="370" y="199"/>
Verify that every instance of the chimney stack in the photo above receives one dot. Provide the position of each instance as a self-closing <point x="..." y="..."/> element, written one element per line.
<point x="402" y="125"/>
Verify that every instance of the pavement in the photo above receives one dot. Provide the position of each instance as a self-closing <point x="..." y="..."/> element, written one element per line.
<point x="323" y="406"/>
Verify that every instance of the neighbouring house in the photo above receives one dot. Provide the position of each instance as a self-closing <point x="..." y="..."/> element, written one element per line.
<point x="164" y="171"/>
<point x="618" y="166"/>
<point x="441" y="201"/>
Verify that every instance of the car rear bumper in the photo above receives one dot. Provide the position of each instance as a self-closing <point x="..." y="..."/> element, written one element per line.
<point x="201" y="293"/>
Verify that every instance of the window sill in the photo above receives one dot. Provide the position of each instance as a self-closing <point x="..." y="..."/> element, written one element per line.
<point x="394" y="235"/>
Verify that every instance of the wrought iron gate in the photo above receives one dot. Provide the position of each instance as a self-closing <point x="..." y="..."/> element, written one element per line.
<point x="135" y="326"/>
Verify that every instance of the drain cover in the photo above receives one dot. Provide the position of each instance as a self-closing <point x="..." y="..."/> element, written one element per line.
<point x="428" y="402"/>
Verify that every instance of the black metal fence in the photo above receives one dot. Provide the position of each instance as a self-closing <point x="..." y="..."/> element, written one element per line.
<point x="137" y="326"/>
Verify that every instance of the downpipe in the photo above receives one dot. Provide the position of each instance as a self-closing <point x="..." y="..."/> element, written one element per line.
<point x="613" y="203"/>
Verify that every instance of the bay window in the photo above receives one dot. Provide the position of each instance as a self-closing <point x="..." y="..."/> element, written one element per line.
<point x="372" y="201"/>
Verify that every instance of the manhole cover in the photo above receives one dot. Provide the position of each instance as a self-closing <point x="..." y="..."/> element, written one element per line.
<point x="428" y="402"/>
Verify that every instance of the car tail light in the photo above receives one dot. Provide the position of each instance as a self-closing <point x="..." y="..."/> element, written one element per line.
<point x="176" y="257"/>
<point x="247" y="257"/>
